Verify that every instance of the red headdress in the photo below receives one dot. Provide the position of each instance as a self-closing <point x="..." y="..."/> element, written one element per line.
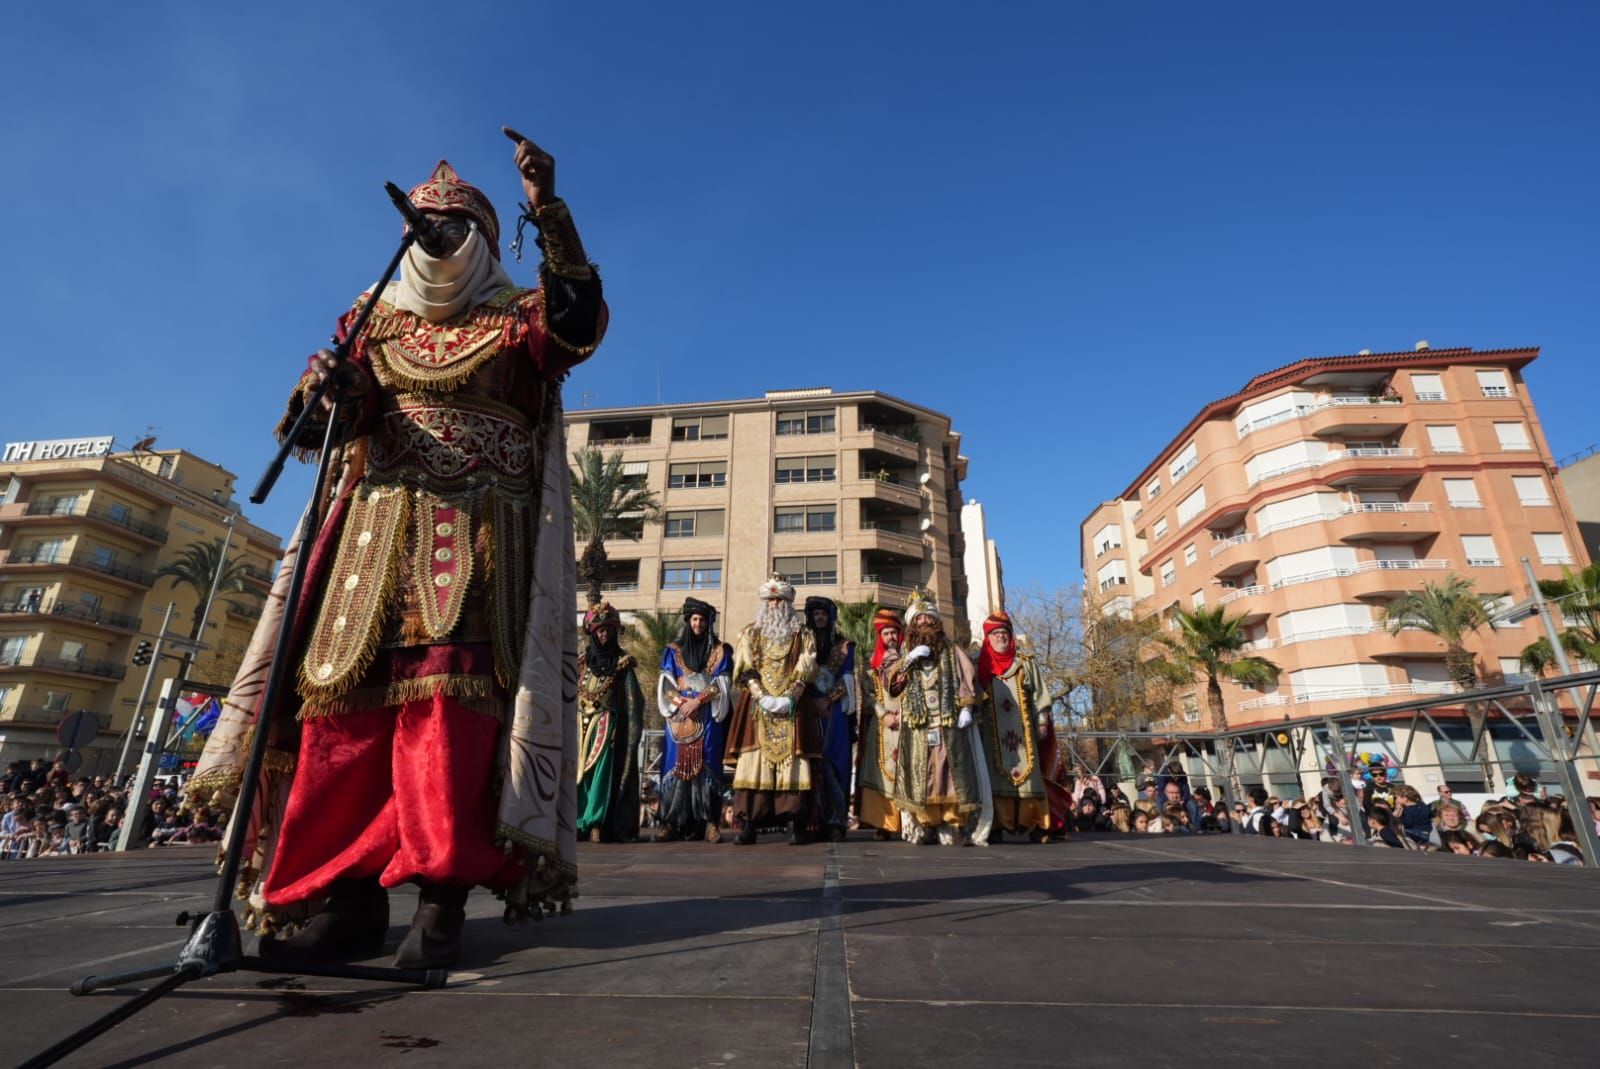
<point x="990" y="663"/>
<point x="601" y="614"/>
<point x="885" y="618"/>
<point x="446" y="192"/>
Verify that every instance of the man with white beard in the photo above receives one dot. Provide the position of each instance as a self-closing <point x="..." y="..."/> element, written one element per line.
<point x="773" y="742"/>
<point x="940" y="782"/>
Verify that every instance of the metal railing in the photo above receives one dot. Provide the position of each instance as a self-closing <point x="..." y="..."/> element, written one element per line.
<point x="99" y="512"/>
<point x="1335" y="694"/>
<point x="1544" y="728"/>
<point x="1236" y="540"/>
<point x="80" y="666"/>
<point x="1245" y="429"/>
<point x="82" y="560"/>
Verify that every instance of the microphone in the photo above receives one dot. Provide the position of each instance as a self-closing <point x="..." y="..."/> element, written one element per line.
<point x="427" y="234"/>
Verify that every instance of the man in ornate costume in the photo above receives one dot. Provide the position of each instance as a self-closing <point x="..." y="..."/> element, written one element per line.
<point x="434" y="738"/>
<point x="610" y="721"/>
<point x="940" y="781"/>
<point x="773" y="741"/>
<point x="693" y="696"/>
<point x="832" y="700"/>
<point x="1015" y="719"/>
<point x="880" y="743"/>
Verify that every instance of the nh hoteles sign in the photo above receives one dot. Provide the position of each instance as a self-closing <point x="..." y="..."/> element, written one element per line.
<point x="57" y="449"/>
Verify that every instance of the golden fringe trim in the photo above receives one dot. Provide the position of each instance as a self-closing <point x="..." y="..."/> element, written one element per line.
<point x="550" y="885"/>
<point x="544" y="327"/>
<point x="475" y="692"/>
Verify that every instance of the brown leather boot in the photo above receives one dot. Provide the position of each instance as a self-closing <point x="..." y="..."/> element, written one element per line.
<point x="434" y="941"/>
<point x="352" y="925"/>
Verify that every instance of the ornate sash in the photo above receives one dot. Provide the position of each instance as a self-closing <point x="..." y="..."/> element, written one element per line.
<point x="1013" y="755"/>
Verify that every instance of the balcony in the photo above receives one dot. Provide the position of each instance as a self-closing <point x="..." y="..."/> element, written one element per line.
<point x="1365" y="567"/>
<point x="1241" y="592"/>
<point x="255" y="575"/>
<point x="888" y="537"/>
<point x="1337" y="456"/>
<point x="37" y="714"/>
<point x="85" y="561"/>
<point x="898" y="442"/>
<point x="1322" y="403"/>
<point x="71" y="666"/>
<point x="242" y="612"/>
<point x="1340" y="694"/>
<point x="1394" y="521"/>
<point x="888" y="489"/>
<point x="117" y="519"/>
<point x="116" y="621"/>
<point x="893" y="595"/>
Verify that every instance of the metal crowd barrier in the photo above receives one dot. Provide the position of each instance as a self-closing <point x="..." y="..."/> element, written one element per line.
<point x="1543" y="727"/>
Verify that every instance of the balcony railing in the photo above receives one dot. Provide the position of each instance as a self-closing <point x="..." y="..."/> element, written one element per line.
<point x="1236" y="540"/>
<point x="1349" y="510"/>
<point x="82" y="666"/>
<point x="1497" y="391"/>
<point x="887" y="586"/>
<point x="909" y="435"/>
<point x="1328" y="632"/>
<point x="83" y="560"/>
<point x="618" y="586"/>
<point x="1529" y="502"/>
<point x="631" y="439"/>
<point x="38" y="714"/>
<point x="1334" y="694"/>
<point x="1301" y="411"/>
<point x="1364" y="566"/>
<point x="1431" y="395"/>
<point x="1241" y="592"/>
<point x="1332" y="457"/>
<point x="256" y="574"/>
<point x="99" y="512"/>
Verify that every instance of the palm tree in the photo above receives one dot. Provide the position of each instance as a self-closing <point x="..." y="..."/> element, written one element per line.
<point x="855" y="624"/>
<point x="647" y="637"/>
<point x="604" y="501"/>
<point x="1451" y="610"/>
<point x="1210" y="646"/>
<point x="196" y="566"/>
<point x="1579" y="596"/>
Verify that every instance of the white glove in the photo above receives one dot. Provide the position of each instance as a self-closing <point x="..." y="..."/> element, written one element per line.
<point x="965" y="719"/>
<point x="769" y="704"/>
<point x="918" y="653"/>
<point x="775" y="705"/>
<point x="825" y="680"/>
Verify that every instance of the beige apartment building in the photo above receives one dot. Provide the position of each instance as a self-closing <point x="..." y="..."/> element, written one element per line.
<point x="1318" y="493"/>
<point x="853" y="496"/>
<point x="83" y="529"/>
<point x="1580" y="478"/>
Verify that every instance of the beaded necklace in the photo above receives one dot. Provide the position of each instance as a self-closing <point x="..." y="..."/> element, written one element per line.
<point x="914" y="700"/>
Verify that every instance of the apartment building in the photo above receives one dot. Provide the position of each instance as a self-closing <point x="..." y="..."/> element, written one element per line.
<point x="1580" y="478"/>
<point x="986" y="589"/>
<point x="852" y="496"/>
<point x="83" y="530"/>
<point x="1321" y="491"/>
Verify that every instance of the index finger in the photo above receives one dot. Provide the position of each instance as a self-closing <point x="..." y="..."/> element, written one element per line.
<point x="513" y="135"/>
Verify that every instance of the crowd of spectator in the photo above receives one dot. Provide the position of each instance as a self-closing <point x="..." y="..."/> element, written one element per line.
<point x="50" y="812"/>
<point x="1524" y="825"/>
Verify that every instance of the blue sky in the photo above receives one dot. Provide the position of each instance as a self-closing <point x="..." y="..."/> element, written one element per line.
<point x="993" y="210"/>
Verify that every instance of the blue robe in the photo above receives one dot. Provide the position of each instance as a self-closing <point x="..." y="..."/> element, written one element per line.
<point x="691" y="797"/>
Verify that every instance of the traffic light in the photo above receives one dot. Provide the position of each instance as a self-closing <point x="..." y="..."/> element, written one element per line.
<point x="142" y="653"/>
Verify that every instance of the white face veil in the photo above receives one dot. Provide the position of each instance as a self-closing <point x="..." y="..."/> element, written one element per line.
<point x="439" y="287"/>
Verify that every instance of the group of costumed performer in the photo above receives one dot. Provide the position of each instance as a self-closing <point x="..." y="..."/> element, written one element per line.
<point x="880" y="733"/>
<point x="610" y="722"/>
<point x="693" y="698"/>
<point x="431" y="736"/>
<point x="1019" y="738"/>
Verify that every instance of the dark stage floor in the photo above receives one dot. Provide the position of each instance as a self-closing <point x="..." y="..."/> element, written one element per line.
<point x="1102" y="951"/>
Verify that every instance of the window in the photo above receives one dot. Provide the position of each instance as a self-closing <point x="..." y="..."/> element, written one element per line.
<point x="62" y="506"/>
<point x="808" y="571"/>
<point x="1296" y="456"/>
<point x="1428" y="387"/>
<point x="1513" y="436"/>
<point x="802" y="518"/>
<point x="90" y="603"/>
<point x="699" y="428"/>
<point x="1493" y="384"/>
<point x="55" y="701"/>
<point x="1191" y="707"/>
<point x="1499" y="609"/>
<point x="695" y="476"/>
<point x="1190" y="506"/>
<point x="815" y="421"/>
<point x="636" y="472"/>
<point x="117" y="512"/>
<point x="1184" y="462"/>
<point x="1160" y="529"/>
<point x="1169" y="573"/>
<point x="1444" y="438"/>
<point x="1511" y="669"/>
<point x="1112" y="574"/>
<point x="806" y="469"/>
<point x="166" y="468"/>
<point x="1106" y="539"/>
<point x="5" y="697"/>
<point x="1199" y="599"/>
<point x="691" y="574"/>
<point x="1480" y="551"/>
<point x="1530" y="490"/>
<point x="1190" y="554"/>
<point x="11" y="649"/>
<point x="1552" y="548"/>
<point x="48" y="551"/>
<point x="1152" y="489"/>
<point x="1462" y="494"/>
<point x="700" y="523"/>
<point x="73" y="651"/>
<point x="104" y="558"/>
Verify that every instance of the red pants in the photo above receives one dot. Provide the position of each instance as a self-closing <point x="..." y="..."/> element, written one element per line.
<point x="404" y="793"/>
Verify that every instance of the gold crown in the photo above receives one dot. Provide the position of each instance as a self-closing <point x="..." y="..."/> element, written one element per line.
<point x="919" y="603"/>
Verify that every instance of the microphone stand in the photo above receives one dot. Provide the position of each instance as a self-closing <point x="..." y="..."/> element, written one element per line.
<point x="214" y="944"/>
